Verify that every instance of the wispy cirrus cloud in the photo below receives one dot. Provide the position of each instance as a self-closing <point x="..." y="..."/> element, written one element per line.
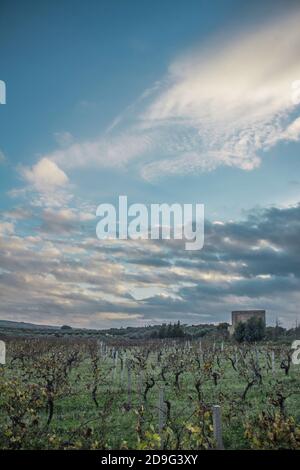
<point x="64" y="138"/>
<point x="224" y="103"/>
<point x="104" y="152"/>
<point x="234" y="99"/>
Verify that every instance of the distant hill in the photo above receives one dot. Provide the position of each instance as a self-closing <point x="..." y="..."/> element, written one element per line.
<point x="23" y="325"/>
<point x="151" y="332"/>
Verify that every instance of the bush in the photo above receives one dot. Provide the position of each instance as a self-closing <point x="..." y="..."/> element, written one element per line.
<point x="252" y="330"/>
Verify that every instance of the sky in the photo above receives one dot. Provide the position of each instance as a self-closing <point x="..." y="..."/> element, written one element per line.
<point x="163" y="101"/>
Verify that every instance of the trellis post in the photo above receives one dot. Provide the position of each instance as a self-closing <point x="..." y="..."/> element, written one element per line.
<point x="161" y="414"/>
<point x="2" y="352"/>
<point x="129" y="383"/>
<point x="273" y="361"/>
<point x="217" y="424"/>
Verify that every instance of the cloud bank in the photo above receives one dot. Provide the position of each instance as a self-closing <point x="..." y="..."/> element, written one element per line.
<point x="61" y="276"/>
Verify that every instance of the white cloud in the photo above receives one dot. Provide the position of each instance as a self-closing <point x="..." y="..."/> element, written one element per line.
<point x="69" y="215"/>
<point x="94" y="284"/>
<point x="222" y="104"/>
<point x="64" y="220"/>
<point x="105" y="152"/>
<point x="293" y="131"/>
<point x="233" y="101"/>
<point x="45" y="175"/>
<point x="113" y="316"/>
<point x="6" y="228"/>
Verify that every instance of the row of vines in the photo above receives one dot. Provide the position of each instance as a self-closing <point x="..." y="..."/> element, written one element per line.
<point x="87" y="394"/>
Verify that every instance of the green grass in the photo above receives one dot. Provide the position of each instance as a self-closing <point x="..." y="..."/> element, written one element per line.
<point x="75" y="410"/>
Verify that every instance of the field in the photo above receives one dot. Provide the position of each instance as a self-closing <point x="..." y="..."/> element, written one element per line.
<point x="88" y="394"/>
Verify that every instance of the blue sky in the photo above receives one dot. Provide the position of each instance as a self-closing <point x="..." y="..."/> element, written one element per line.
<point x="169" y="101"/>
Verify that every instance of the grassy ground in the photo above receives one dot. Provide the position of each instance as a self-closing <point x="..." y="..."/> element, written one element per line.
<point x="123" y="419"/>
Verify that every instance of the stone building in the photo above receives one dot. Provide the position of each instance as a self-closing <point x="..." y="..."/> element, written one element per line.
<point x="243" y="316"/>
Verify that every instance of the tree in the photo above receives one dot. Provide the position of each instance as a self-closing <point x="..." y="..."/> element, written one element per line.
<point x="255" y="330"/>
<point x="239" y="332"/>
<point x="178" y="330"/>
<point x="162" y="331"/>
<point x="170" y="331"/>
<point x="222" y="330"/>
<point x="252" y="330"/>
<point x="66" y="328"/>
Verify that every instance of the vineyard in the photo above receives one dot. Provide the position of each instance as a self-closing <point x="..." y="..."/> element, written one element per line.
<point x="88" y="394"/>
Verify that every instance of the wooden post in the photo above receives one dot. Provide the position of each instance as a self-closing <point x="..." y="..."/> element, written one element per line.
<point x="161" y="414"/>
<point x="217" y="423"/>
<point x="123" y="368"/>
<point x="2" y="352"/>
<point x="236" y="356"/>
<point x="273" y="361"/>
<point x="140" y="386"/>
<point x="115" y="365"/>
<point x="201" y="352"/>
<point x="129" y="384"/>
